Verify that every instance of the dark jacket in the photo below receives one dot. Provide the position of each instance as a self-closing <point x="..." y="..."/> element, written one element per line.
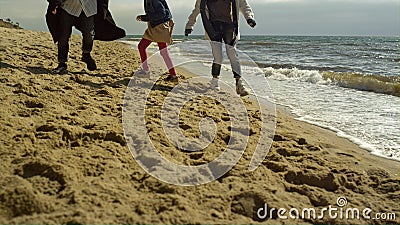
<point x="104" y="27"/>
<point x="157" y="12"/>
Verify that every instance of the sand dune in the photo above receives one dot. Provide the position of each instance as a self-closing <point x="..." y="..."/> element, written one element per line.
<point x="65" y="159"/>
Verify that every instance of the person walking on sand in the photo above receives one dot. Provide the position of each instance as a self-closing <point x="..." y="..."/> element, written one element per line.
<point x="91" y="17"/>
<point x="220" y="20"/>
<point x="160" y="26"/>
<point x="78" y="13"/>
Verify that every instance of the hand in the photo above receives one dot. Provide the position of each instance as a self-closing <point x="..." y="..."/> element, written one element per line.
<point x="188" y="31"/>
<point x="54" y="12"/>
<point x="139" y="18"/>
<point x="252" y="23"/>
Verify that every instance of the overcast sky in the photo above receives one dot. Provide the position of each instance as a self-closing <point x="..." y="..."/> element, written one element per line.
<point x="274" y="17"/>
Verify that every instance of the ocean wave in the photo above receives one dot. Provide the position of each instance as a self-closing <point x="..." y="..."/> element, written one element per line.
<point x="389" y="85"/>
<point x="303" y="67"/>
<point x="375" y="83"/>
<point x="294" y="74"/>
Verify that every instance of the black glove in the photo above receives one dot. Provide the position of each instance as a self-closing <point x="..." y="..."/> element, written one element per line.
<point x="251" y="22"/>
<point x="188" y="31"/>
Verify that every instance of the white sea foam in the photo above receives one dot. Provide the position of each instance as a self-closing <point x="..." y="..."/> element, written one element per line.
<point x="311" y="76"/>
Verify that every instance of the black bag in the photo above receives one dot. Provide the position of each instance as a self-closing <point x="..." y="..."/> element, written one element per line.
<point x="105" y="29"/>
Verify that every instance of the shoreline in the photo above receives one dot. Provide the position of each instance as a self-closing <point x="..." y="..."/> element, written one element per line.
<point x="282" y="109"/>
<point x="356" y="140"/>
<point x="288" y="110"/>
<point x="65" y="158"/>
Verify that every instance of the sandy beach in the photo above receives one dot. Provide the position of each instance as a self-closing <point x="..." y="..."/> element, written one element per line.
<point x="65" y="159"/>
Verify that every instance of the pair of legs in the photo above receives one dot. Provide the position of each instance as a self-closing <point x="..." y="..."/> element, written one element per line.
<point x="162" y="46"/>
<point x="225" y="32"/>
<point x="86" y="26"/>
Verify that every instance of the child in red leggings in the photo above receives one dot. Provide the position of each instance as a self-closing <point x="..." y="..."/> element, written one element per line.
<point x="160" y="26"/>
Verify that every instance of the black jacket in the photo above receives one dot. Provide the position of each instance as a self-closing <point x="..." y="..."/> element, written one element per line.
<point x="105" y="28"/>
<point x="157" y="12"/>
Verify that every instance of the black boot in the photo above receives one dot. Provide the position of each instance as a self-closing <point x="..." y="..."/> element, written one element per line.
<point x="90" y="63"/>
<point x="60" y="69"/>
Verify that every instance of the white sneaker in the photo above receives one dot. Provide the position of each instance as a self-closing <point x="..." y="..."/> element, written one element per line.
<point x="241" y="89"/>
<point x="214" y="84"/>
<point x="141" y="73"/>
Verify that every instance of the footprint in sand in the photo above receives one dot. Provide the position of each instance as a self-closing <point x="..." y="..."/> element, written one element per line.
<point x="45" y="177"/>
<point x="319" y="179"/>
<point x="34" y="104"/>
<point x="248" y="203"/>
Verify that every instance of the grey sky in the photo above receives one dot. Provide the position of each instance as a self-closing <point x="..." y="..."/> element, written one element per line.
<point x="274" y="17"/>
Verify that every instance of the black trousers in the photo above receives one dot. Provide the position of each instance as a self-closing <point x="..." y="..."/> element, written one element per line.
<point x="82" y="23"/>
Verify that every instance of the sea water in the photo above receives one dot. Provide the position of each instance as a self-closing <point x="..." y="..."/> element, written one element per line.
<point x="350" y="85"/>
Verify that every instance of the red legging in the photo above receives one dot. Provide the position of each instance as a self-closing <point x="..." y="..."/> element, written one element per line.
<point x="162" y="46"/>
